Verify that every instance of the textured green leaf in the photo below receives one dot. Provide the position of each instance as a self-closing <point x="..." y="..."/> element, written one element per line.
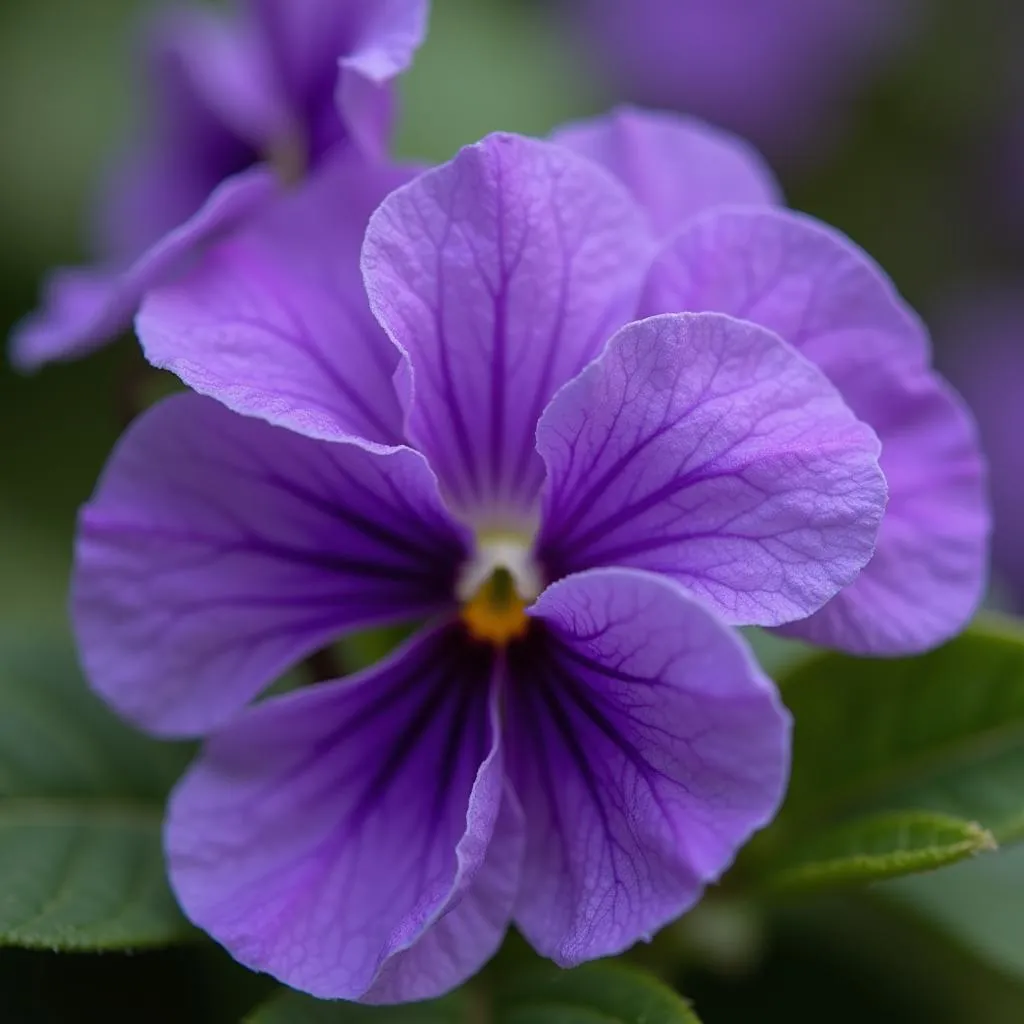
<point x="599" y="993"/>
<point x="942" y="732"/>
<point x="877" y="847"/>
<point x="81" y="802"/>
<point x="295" y="1008"/>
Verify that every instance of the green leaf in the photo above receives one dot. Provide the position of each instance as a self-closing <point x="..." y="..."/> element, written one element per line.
<point x="979" y="905"/>
<point x="942" y="732"/>
<point x="81" y="803"/>
<point x="877" y="847"/>
<point x="599" y="993"/>
<point x="295" y="1008"/>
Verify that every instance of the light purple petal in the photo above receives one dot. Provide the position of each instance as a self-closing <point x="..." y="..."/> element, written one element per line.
<point x="218" y="551"/>
<point x="929" y="570"/>
<point x="336" y="58"/>
<point x="707" y="449"/>
<point x="211" y="114"/>
<point x="324" y="834"/>
<point x="827" y="298"/>
<point x="793" y="275"/>
<point x="274" y="322"/>
<point x="470" y="932"/>
<point x="500" y="275"/>
<point x="675" y="166"/>
<point x="212" y="66"/>
<point x="86" y="308"/>
<point x="646" y="747"/>
<point x="390" y="33"/>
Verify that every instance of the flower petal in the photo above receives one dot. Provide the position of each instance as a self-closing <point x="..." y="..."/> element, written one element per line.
<point x="793" y="275"/>
<point x="707" y="449"/>
<point x="326" y="49"/>
<point x="389" y="34"/>
<point x="86" y="308"/>
<point x="324" y="835"/>
<point x="675" y="166"/>
<point x="467" y="935"/>
<point x="274" y="321"/>
<point x="929" y="570"/>
<point x="500" y="275"/>
<point x="646" y="746"/>
<point x="827" y="298"/>
<point x="210" y="66"/>
<point x="217" y="551"/>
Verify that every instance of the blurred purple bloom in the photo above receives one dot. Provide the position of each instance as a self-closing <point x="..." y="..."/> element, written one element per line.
<point x="778" y="72"/>
<point x="239" y="103"/>
<point x="986" y="361"/>
<point x="575" y="740"/>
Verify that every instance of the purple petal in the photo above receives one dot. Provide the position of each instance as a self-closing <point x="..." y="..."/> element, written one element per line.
<point x="86" y="308"/>
<point x="793" y="275"/>
<point x="388" y="36"/>
<point x="325" y="834"/>
<point x="500" y="275"/>
<point x="929" y="571"/>
<point x="467" y="935"/>
<point x="217" y="551"/>
<point x="646" y="747"/>
<point x="212" y="113"/>
<point x="707" y="449"/>
<point x="274" y="322"/>
<point x="675" y="166"/>
<point x="828" y="299"/>
<point x="210" y="66"/>
<point x="328" y="52"/>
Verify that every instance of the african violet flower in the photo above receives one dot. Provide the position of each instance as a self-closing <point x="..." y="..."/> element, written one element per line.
<point x="575" y="740"/>
<point x="778" y="72"/>
<point x="237" y="104"/>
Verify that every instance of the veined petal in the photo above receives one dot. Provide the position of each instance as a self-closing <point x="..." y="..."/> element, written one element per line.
<point x="217" y="551"/>
<point x="469" y="933"/>
<point x="85" y="308"/>
<point x="793" y="275"/>
<point x="707" y="449"/>
<point x="324" y="835"/>
<point x="928" y="574"/>
<point x="827" y="298"/>
<point x="675" y="166"/>
<point x="646" y="747"/>
<point x="274" y="322"/>
<point x="500" y="275"/>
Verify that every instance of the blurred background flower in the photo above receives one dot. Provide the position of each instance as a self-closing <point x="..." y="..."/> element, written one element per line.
<point x="783" y="74"/>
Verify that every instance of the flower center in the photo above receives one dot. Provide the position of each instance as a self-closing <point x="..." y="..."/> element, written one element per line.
<point x="288" y="158"/>
<point x="496" y="613"/>
<point x="495" y="588"/>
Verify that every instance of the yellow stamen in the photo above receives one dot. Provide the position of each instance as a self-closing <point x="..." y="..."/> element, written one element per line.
<point x="496" y="613"/>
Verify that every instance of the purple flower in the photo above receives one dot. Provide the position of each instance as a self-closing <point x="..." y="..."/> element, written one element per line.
<point x="575" y="740"/>
<point x="778" y="72"/>
<point x="238" y="104"/>
<point x="986" y="361"/>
